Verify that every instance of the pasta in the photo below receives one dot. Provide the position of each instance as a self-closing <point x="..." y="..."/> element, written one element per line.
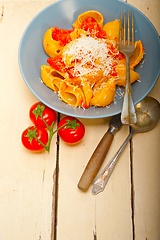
<point x="84" y="64"/>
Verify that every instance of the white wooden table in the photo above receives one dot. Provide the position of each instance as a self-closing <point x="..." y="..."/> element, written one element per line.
<point x="39" y="198"/>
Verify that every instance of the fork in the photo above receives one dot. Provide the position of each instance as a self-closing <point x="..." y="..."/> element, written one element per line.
<point x="128" y="114"/>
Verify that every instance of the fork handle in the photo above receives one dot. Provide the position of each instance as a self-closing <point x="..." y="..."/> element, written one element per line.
<point x="101" y="180"/>
<point x="128" y="115"/>
<point x="128" y="72"/>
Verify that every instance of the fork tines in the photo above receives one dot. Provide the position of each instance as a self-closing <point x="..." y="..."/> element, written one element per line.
<point x="128" y="29"/>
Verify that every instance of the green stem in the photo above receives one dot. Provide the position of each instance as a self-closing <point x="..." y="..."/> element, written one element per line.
<point x="45" y="122"/>
<point x="60" y="127"/>
<point x="51" y="133"/>
<point x="41" y="143"/>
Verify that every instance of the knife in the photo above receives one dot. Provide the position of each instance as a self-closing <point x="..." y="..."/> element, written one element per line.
<point x="99" y="154"/>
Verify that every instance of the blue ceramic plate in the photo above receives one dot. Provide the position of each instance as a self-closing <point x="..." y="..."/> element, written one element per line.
<point x="62" y="14"/>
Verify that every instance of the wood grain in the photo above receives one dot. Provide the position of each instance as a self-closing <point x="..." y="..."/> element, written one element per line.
<point x="39" y="197"/>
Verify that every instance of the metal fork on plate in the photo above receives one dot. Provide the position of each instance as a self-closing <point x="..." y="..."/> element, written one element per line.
<point x="128" y="114"/>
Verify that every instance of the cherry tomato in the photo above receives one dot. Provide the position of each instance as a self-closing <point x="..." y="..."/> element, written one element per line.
<point x="48" y="114"/>
<point x="73" y="132"/>
<point x="32" y="143"/>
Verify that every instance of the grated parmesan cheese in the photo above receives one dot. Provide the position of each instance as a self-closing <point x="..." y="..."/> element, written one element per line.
<point x="90" y="56"/>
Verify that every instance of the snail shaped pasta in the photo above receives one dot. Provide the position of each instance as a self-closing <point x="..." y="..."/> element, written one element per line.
<point x="120" y="78"/>
<point x="103" y="94"/>
<point x="94" y="14"/>
<point x="85" y="64"/>
<point x="138" y="53"/>
<point x="76" y="94"/>
<point x="112" y="30"/>
<point x="51" y="78"/>
<point x="51" y="46"/>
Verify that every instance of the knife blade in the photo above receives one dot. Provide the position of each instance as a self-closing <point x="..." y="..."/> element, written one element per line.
<point x="99" y="154"/>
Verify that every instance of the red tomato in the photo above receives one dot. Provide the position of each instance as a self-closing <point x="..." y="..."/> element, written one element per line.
<point x="30" y="142"/>
<point x="48" y="114"/>
<point x="73" y="132"/>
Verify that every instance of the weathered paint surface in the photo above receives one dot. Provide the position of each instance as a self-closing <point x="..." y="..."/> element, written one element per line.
<point x="39" y="198"/>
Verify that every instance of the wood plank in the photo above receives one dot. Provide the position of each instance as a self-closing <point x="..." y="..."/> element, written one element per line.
<point x="25" y="178"/>
<point x="102" y="214"/>
<point x="146" y="152"/>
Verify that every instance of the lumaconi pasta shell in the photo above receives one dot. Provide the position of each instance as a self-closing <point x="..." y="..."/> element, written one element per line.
<point x="121" y="75"/>
<point x="112" y="30"/>
<point x="51" y="47"/>
<point x="74" y="81"/>
<point x="88" y="93"/>
<point x="96" y="15"/>
<point x="84" y="87"/>
<point x="105" y="95"/>
<point x="51" y="78"/>
<point x="71" y="94"/>
<point x="138" y="53"/>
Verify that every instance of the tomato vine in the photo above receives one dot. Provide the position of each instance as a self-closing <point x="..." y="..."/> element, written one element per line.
<point x="31" y="133"/>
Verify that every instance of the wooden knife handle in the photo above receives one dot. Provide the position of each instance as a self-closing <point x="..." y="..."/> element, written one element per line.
<point x="95" y="161"/>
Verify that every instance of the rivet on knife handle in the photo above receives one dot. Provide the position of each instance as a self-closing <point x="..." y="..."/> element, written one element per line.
<point x="96" y="160"/>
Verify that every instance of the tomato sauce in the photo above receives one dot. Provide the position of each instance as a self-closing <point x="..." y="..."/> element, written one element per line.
<point x="113" y="70"/>
<point x="61" y="35"/>
<point x="120" y="56"/>
<point x="57" y="63"/>
<point x="89" y="24"/>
